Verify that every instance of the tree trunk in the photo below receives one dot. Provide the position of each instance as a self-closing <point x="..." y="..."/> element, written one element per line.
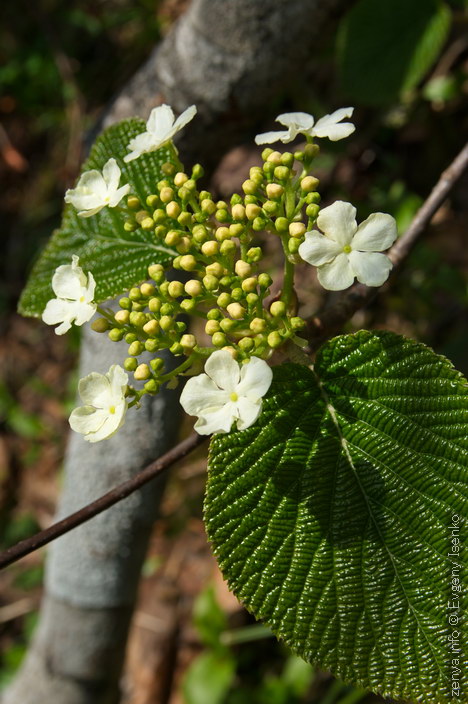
<point x="231" y="58"/>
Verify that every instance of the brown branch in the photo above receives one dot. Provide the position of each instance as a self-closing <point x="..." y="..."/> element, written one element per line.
<point x="332" y="319"/>
<point x="150" y="472"/>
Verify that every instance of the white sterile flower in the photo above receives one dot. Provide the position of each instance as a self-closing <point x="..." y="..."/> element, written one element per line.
<point x="228" y="392"/>
<point x="74" y="302"/>
<point x="95" y="190"/>
<point x="105" y="405"/>
<point x="345" y="251"/>
<point x="160" y="128"/>
<point x="303" y="123"/>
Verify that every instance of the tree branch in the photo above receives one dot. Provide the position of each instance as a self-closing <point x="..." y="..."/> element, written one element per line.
<point x="320" y="327"/>
<point x="331" y="320"/>
<point x="150" y="472"/>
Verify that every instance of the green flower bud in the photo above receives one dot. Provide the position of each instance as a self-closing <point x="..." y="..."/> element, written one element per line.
<point x="243" y="269"/>
<point x="135" y="348"/>
<point x="183" y="193"/>
<point x="236" y="311"/>
<point x="188" y="262"/>
<point x="159" y="216"/>
<point x="137" y="319"/>
<point x="238" y="211"/>
<point x="282" y="173"/>
<point x="294" y="243"/>
<point x="164" y="183"/>
<point x="147" y="290"/>
<point x="141" y="215"/>
<point x="236" y="230"/>
<point x="266" y="153"/>
<point x="259" y="224"/>
<point x="258" y="325"/>
<point x="208" y="206"/>
<point x="216" y="269"/>
<point x="173" y="209"/>
<point x="116" y="334"/>
<point x="268" y="168"/>
<point x="250" y="200"/>
<point x="275" y="158"/>
<point x="271" y="207"/>
<point x="210" y="282"/>
<point x="222" y="233"/>
<point x="274" y="339"/>
<point x="223" y="300"/>
<point x="185" y="218"/>
<point x="227" y="247"/>
<point x="130" y="364"/>
<point x="167" y="309"/>
<point x="282" y="225"/>
<point x="188" y="342"/>
<point x="172" y="238"/>
<point x="137" y="307"/>
<point x="151" y="327"/>
<point x="184" y="245"/>
<point x="188" y="305"/>
<point x="274" y="190"/>
<point x="154" y="305"/>
<point x="180" y="178"/>
<point x="287" y="159"/>
<point x="249" y="187"/>
<point x="200" y="234"/>
<point x="254" y="254"/>
<point x="122" y="317"/>
<point x="311" y="151"/>
<point x="160" y="231"/>
<point x="297" y="229"/>
<point x="227" y="325"/>
<point x="198" y="171"/>
<point x="166" y="194"/>
<point x="134" y="294"/>
<point x="236" y="199"/>
<point x="152" y="200"/>
<point x="312" y="210"/>
<point x="246" y="344"/>
<point x="221" y="205"/>
<point x="214" y="314"/>
<point x="237" y="294"/>
<point x="193" y="287"/>
<point x="256" y="176"/>
<point x="211" y="327"/>
<point x="176" y="264"/>
<point x="151" y="345"/>
<point x="299" y="156"/>
<point x="166" y="322"/>
<point x="168" y="168"/>
<point x="298" y="323"/>
<point x="252" y="211"/>
<point x="278" y="309"/>
<point x="130" y="226"/>
<point x="130" y="337"/>
<point x="147" y="224"/>
<point x="309" y="183"/>
<point x="210" y="248"/>
<point x="252" y="299"/>
<point x="142" y="372"/>
<point x="219" y="339"/>
<point x="151" y="386"/>
<point x="264" y="280"/>
<point x="100" y="325"/>
<point x="222" y="215"/>
<point x="250" y="284"/>
<point x="133" y="202"/>
<point x="313" y="197"/>
<point x="157" y="364"/>
<point x="125" y="303"/>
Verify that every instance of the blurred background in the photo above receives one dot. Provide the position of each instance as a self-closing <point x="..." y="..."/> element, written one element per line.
<point x="405" y="68"/>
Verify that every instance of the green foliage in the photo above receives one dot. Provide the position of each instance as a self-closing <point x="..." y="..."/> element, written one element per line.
<point x="385" y="48"/>
<point x="118" y="259"/>
<point x="330" y="516"/>
<point x="209" y="678"/>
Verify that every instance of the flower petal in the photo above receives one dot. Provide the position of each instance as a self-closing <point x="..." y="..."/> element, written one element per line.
<point x="248" y="412"/>
<point x="270" y="137"/>
<point x="338" y="222"/>
<point x="370" y="268"/>
<point x="376" y="233"/>
<point x="255" y="379"/>
<point x="111" y="174"/>
<point x="92" y="183"/>
<point x="58" y="310"/>
<point x="117" y="195"/>
<point x="160" y="121"/>
<point x="317" y="249"/>
<point x="112" y="422"/>
<point x="95" y="390"/>
<point x="141" y="144"/>
<point x="337" y="274"/>
<point x="87" y="419"/>
<point x="118" y="380"/>
<point x="327" y="125"/>
<point x="301" y="121"/>
<point x="69" y="281"/>
<point x="185" y="117"/>
<point x="217" y="420"/>
<point x="223" y="369"/>
<point x="83" y="312"/>
<point x="200" y="393"/>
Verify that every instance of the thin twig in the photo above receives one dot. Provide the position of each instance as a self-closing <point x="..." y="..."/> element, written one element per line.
<point x="331" y="320"/>
<point x="150" y="472"/>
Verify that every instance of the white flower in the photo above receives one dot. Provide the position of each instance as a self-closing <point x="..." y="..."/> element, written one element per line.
<point x="105" y="409"/>
<point x="302" y="123"/>
<point x="74" y="302"/>
<point x="226" y="393"/>
<point x="95" y="190"/>
<point x="346" y="251"/>
<point x="160" y="128"/>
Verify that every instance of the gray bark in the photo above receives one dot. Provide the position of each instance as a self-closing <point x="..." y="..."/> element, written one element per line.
<point x="231" y="58"/>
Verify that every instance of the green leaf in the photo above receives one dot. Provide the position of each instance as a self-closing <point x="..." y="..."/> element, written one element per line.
<point x="209" y="618"/>
<point x="385" y="48"/>
<point x="209" y="678"/>
<point x="117" y="259"/>
<point x="331" y="515"/>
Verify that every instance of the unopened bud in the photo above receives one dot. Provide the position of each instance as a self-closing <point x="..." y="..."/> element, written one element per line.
<point x="154" y="305"/>
<point x="134" y="294"/>
<point x="216" y="269"/>
<point x="188" y="305"/>
<point x="142" y="372"/>
<point x="312" y="210"/>
<point x="254" y="254"/>
<point x="166" y="322"/>
<point x="210" y="248"/>
<point x="208" y="206"/>
<point x="236" y="311"/>
<point x="184" y="245"/>
<point x="298" y="323"/>
<point x="238" y="212"/>
<point x="188" y="262"/>
<point x="166" y="194"/>
<point x="147" y="289"/>
<point x="137" y="319"/>
<point x="243" y="269"/>
<point x="211" y="327"/>
<point x="227" y="247"/>
<point x="246" y="344"/>
<point x="222" y="215"/>
<point x="293" y="244"/>
<point x="250" y="284"/>
<point x="282" y="173"/>
<point x="210" y="282"/>
<point x="249" y="187"/>
<point x="274" y="339"/>
<point x="258" y="325"/>
<point x="219" y="339"/>
<point x="274" y="158"/>
<point x="151" y="386"/>
<point x="282" y="224"/>
<point x="274" y="190"/>
<point x="227" y="325"/>
<point x="278" y="308"/>
<point x="252" y="211"/>
<point x="147" y="224"/>
<point x="100" y="325"/>
<point x="309" y="183"/>
<point x="151" y="345"/>
<point x="133" y="202"/>
<point x="188" y="341"/>
<point x="175" y="289"/>
<point x="180" y="178"/>
<point x="135" y="348"/>
<point x="122" y="317"/>
<point x="297" y="229"/>
<point x="130" y="364"/>
<point x="116" y="334"/>
<point x="193" y="287"/>
<point x="155" y="269"/>
<point x="222" y="233"/>
<point x="264" y="280"/>
<point x="151" y="327"/>
<point x="223" y="300"/>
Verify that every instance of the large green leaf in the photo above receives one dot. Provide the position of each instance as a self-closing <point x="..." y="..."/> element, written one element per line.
<point x="386" y="47"/>
<point x="117" y="259"/>
<point x="331" y="516"/>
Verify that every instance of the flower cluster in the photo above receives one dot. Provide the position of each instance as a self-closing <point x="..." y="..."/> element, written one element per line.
<point x="214" y="270"/>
